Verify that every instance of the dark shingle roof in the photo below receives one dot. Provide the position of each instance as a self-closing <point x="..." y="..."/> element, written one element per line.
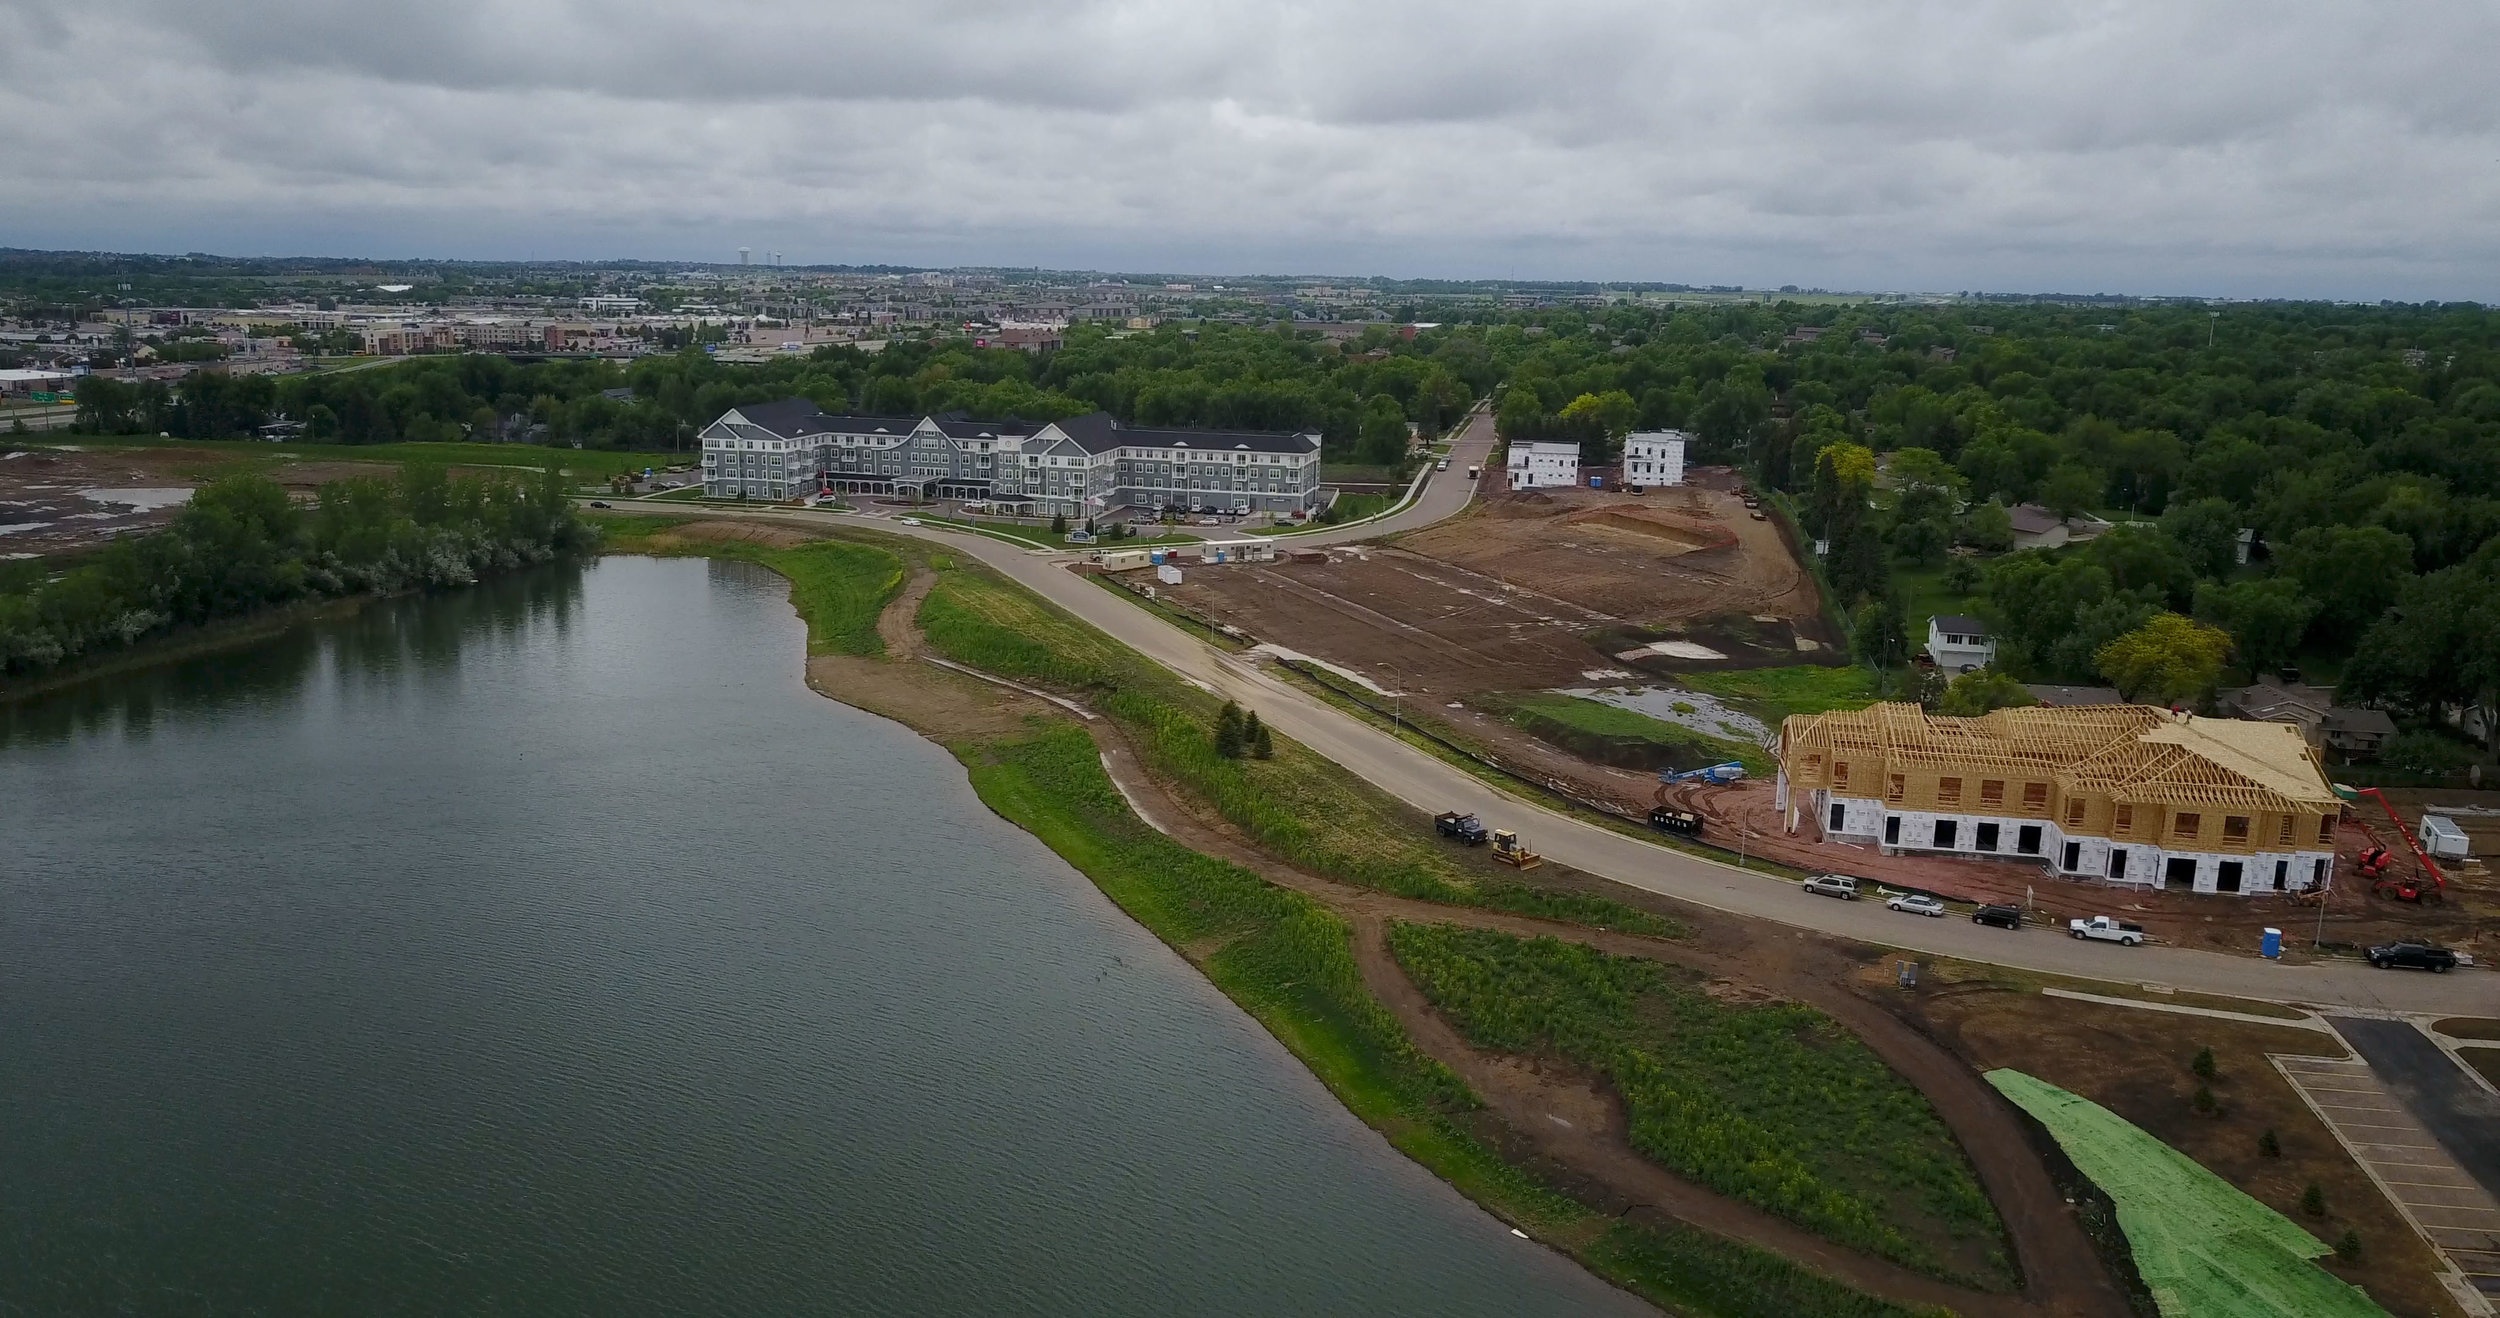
<point x="1096" y="432"/>
<point x="1960" y="624"/>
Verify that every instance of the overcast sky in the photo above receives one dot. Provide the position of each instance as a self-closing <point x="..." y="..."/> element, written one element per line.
<point x="2346" y="150"/>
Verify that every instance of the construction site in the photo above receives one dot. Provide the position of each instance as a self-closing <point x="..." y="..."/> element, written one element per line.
<point x="1471" y="628"/>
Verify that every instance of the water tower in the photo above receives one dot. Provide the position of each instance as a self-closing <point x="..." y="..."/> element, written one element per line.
<point x="742" y="256"/>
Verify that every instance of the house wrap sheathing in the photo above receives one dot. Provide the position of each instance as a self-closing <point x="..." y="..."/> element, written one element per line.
<point x="2125" y="793"/>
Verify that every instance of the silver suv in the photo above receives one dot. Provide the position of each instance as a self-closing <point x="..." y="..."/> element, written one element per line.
<point x="1833" y="885"/>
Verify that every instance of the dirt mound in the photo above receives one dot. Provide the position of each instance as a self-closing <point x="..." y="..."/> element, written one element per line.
<point x="1679" y="537"/>
<point x="754" y="533"/>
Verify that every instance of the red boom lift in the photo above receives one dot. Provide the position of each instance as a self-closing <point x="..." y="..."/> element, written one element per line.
<point x="2376" y="860"/>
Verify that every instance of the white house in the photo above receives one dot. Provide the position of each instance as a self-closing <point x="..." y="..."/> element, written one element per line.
<point x="1537" y="464"/>
<point x="1654" y="457"/>
<point x="1958" y="643"/>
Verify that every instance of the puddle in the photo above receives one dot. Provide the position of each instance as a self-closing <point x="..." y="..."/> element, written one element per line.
<point x="13" y="528"/>
<point x="145" y="499"/>
<point x="1702" y="713"/>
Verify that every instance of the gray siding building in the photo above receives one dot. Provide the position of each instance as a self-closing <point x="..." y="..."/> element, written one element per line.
<point x="1079" y="467"/>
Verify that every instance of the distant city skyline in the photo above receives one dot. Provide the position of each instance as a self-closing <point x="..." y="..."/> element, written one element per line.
<point x="2177" y="149"/>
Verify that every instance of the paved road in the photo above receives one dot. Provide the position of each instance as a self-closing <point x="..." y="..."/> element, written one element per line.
<point x="1430" y="784"/>
<point x="50" y="418"/>
<point x="2459" y="1112"/>
<point x="1445" y="492"/>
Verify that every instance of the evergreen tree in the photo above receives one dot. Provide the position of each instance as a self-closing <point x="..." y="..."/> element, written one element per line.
<point x="1229" y="731"/>
<point x="1058" y="523"/>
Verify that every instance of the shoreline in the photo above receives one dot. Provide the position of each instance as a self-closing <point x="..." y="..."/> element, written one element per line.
<point x="1037" y="767"/>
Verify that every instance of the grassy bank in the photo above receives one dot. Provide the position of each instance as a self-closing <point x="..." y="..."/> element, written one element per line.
<point x="1287" y="961"/>
<point x="586" y="463"/>
<point x="1773" y="694"/>
<point x="1299" y="806"/>
<point x="1611" y="734"/>
<point x="1768" y="1102"/>
<point x="839" y="586"/>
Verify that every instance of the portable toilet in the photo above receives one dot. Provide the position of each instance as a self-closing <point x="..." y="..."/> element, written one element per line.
<point x="1155" y="557"/>
<point x="2272" y="946"/>
<point x="1219" y="555"/>
<point x="1597" y="482"/>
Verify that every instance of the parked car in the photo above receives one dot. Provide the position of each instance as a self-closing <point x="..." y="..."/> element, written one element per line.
<point x="2412" y="956"/>
<point x="2003" y="917"/>
<point x="1441" y="465"/>
<point x="1833" y="885"/>
<point x="598" y="503"/>
<point x="1759" y="515"/>
<point x="1915" y="903"/>
<point x="2107" y="930"/>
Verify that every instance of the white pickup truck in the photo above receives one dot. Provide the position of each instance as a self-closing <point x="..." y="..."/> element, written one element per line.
<point x="2107" y="930"/>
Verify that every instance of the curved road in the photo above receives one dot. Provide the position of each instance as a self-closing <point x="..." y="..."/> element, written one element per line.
<point x="1430" y="784"/>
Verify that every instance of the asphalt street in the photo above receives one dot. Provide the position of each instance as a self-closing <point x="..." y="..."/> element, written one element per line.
<point x="2462" y="1115"/>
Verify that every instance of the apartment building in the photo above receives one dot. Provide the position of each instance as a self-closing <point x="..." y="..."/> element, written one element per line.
<point x="1654" y="457"/>
<point x="1532" y="464"/>
<point x="1079" y="467"/>
<point x="2124" y="793"/>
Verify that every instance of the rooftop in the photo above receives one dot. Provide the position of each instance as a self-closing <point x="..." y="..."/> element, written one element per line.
<point x="2128" y="752"/>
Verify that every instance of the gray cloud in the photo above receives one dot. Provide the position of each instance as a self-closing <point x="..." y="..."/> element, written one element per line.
<point x="2304" y="149"/>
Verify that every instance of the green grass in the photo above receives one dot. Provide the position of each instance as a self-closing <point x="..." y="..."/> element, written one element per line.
<point x="1300" y="806"/>
<point x="599" y="463"/>
<point x="1288" y="961"/>
<point x="1356" y="473"/>
<point x="1771" y="1103"/>
<point x="1569" y="719"/>
<point x="1356" y="507"/>
<point x="1924" y="595"/>
<point x="1772" y="694"/>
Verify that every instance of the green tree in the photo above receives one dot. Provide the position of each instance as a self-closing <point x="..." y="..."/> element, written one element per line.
<point x="1600" y="421"/>
<point x="1384" y="434"/>
<point x="2070" y="490"/>
<point x="2169" y="659"/>
<point x="1988" y="527"/>
<point x="2266" y="618"/>
<point x="1229" y="731"/>
<point x="1974" y="693"/>
<point x="2207" y="530"/>
<point x="1879" y="634"/>
<point x="1058" y="524"/>
<point x="2353" y="572"/>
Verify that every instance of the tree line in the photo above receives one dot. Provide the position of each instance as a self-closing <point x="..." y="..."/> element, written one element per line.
<point x="1362" y="396"/>
<point x="242" y="543"/>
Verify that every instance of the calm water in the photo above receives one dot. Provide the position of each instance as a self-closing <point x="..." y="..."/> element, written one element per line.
<point x="550" y="948"/>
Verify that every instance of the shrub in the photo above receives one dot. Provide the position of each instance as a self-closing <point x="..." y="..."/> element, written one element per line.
<point x="2204" y="1102"/>
<point x="2348" y="1249"/>
<point x="2203" y="1065"/>
<point x="2268" y="1146"/>
<point x="2313" y="1200"/>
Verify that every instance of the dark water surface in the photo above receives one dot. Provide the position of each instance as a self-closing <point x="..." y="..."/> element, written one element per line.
<point x="549" y="948"/>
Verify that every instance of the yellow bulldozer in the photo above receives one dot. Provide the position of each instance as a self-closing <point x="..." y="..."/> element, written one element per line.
<point x="1508" y="850"/>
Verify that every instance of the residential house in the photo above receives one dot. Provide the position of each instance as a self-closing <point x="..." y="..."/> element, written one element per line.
<point x="2126" y="793"/>
<point x="1959" y="643"/>
<point x="2036" y="527"/>
<point x="2352" y="734"/>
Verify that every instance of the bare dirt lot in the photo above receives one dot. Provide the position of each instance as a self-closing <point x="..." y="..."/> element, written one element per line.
<point x="1533" y="590"/>
<point x="56" y="499"/>
<point x="1669" y="556"/>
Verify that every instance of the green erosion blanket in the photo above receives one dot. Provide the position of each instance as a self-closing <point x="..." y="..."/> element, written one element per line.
<point x="2206" y="1249"/>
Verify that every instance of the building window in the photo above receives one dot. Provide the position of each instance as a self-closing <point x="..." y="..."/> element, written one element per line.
<point x="2186" y="825"/>
<point x="2035" y="796"/>
<point x="2235" y="828"/>
<point x="2326" y="830"/>
<point x="1893" y="788"/>
<point x="1949" y="791"/>
<point x="2074" y="814"/>
<point x="1992" y="791"/>
<point x="2284" y="838"/>
<point x="1840" y="774"/>
<point x="2124" y="819"/>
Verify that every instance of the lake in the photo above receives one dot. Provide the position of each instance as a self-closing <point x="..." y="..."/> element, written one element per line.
<point x="549" y="948"/>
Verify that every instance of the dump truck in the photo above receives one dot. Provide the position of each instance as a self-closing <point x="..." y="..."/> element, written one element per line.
<point x="1466" y="828"/>
<point x="1508" y="849"/>
<point x="1667" y="819"/>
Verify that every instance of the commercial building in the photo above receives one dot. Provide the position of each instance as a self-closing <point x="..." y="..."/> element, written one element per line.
<point x="1079" y="467"/>
<point x="2126" y="793"/>
<point x="1536" y="463"/>
<point x="1654" y="457"/>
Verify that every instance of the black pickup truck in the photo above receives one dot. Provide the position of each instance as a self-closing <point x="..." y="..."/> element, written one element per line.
<point x="1466" y="828"/>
